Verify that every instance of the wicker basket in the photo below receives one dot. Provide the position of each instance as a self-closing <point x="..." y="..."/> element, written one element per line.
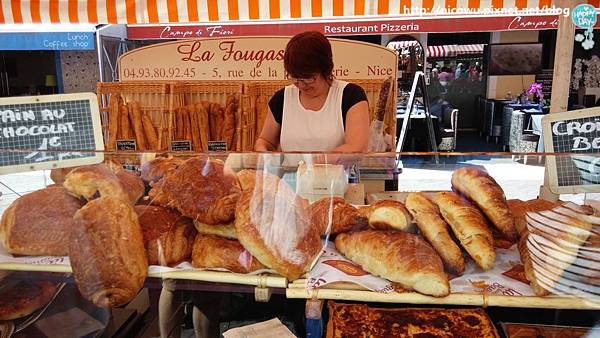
<point x="152" y="97"/>
<point x="188" y="93"/>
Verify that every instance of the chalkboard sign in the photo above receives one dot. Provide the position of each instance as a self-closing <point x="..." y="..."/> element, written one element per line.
<point x="50" y="131"/>
<point x="545" y="78"/>
<point x="181" y="145"/>
<point x="576" y="132"/>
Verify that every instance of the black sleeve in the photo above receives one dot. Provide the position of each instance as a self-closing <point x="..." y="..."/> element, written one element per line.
<point x="276" y="105"/>
<point x="352" y="95"/>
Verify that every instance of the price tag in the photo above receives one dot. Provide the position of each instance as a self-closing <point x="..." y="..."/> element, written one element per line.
<point x="183" y="145"/>
<point x="217" y="146"/>
<point x="50" y="131"/>
<point x="126" y="145"/>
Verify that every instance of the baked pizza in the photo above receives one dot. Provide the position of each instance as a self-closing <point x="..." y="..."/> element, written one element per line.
<point x="19" y="298"/>
<point x="359" y="320"/>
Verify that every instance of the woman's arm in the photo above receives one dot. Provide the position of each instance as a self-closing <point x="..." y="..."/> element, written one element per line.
<point x="268" y="140"/>
<point x="356" y="137"/>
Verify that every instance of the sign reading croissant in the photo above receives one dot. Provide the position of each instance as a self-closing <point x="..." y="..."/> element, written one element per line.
<point x="247" y="58"/>
<point x="50" y="131"/>
<point x="577" y="133"/>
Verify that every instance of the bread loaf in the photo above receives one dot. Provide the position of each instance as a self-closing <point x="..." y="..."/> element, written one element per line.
<point x="389" y="215"/>
<point x="469" y="226"/>
<point x="397" y="256"/>
<point x="89" y="181"/>
<point x="215" y="252"/>
<point x="336" y="215"/>
<point x="106" y="250"/>
<point x="528" y="267"/>
<point x="168" y="236"/>
<point x="433" y="227"/>
<point x="273" y="224"/>
<point x="483" y="190"/>
<point x="39" y="223"/>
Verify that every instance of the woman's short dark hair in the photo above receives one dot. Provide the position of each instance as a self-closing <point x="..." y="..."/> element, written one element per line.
<point x="308" y="53"/>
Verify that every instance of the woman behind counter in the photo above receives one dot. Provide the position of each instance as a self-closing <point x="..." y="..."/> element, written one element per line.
<point x="316" y="112"/>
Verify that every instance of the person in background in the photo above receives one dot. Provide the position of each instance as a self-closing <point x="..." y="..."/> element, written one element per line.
<point x="445" y="77"/>
<point x="316" y="112"/>
<point x="458" y="72"/>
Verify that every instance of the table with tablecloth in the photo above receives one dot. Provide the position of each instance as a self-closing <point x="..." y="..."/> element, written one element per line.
<point x="536" y="126"/>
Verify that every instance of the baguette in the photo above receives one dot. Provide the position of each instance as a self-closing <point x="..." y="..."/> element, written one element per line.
<point x="483" y="190"/>
<point x="204" y="125"/>
<point x="435" y="230"/>
<point x="187" y="125"/>
<point x="195" y="128"/>
<point x="397" y="256"/>
<point x="229" y="124"/>
<point x="216" y="122"/>
<point x="114" y="105"/>
<point x="469" y="226"/>
<point x="137" y="125"/>
<point x="150" y="133"/>
<point x="125" y="132"/>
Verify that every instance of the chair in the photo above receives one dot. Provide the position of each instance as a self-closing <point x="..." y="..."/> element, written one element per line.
<point x="521" y="141"/>
<point x="449" y="130"/>
<point x="506" y="120"/>
<point x="481" y="115"/>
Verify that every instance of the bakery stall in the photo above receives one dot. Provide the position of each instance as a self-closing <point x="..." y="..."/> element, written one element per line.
<point x="120" y="209"/>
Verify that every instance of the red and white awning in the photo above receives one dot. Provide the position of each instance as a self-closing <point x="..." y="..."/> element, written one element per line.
<point x="228" y="11"/>
<point x="403" y="44"/>
<point x="454" y="50"/>
<point x="470" y="49"/>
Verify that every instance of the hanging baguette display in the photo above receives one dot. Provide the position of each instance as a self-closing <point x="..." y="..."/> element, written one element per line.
<point x="136" y="121"/>
<point x="150" y="132"/>
<point x="125" y="132"/>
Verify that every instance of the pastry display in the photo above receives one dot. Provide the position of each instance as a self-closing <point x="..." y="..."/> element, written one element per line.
<point x="433" y="227"/>
<point x="224" y="230"/>
<point x="335" y="215"/>
<point x="39" y="223"/>
<point x="21" y="298"/>
<point x="397" y="256"/>
<point x="168" y="236"/>
<point x="360" y="320"/>
<point x="389" y="215"/>
<point x="483" y="190"/>
<point x="212" y="252"/>
<point x="273" y="223"/>
<point x="469" y="226"/>
<point x="201" y="189"/>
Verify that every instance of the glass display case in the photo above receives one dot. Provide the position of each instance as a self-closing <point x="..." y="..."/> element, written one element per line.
<point x="184" y="244"/>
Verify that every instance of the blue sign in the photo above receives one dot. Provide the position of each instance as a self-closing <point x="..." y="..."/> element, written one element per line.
<point x="47" y="41"/>
<point x="584" y="16"/>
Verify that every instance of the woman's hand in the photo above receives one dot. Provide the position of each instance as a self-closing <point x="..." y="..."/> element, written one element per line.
<point x="269" y="135"/>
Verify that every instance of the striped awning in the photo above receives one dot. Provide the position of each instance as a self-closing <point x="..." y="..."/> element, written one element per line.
<point x="184" y="11"/>
<point x="454" y="50"/>
<point x="402" y="44"/>
<point x="440" y="51"/>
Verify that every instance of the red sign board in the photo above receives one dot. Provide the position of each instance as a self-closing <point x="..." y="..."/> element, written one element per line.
<point x="353" y="27"/>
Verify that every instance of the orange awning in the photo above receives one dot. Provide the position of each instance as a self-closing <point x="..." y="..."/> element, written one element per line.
<point x="184" y="11"/>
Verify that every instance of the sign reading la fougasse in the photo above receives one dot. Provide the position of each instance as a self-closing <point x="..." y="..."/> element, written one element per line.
<point x="247" y="58"/>
<point x="576" y="132"/>
<point x="50" y="131"/>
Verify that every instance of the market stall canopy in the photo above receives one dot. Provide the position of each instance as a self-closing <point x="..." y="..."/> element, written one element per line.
<point x="454" y="50"/>
<point x="202" y="11"/>
<point x="403" y="44"/>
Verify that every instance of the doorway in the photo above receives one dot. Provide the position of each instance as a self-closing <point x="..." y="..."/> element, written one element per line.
<point x="28" y="73"/>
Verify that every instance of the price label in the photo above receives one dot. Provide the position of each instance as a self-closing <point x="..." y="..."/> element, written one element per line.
<point x="217" y="146"/>
<point x="184" y="145"/>
<point x="126" y="145"/>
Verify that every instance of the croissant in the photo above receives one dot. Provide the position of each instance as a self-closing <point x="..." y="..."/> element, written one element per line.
<point x="226" y="230"/>
<point x="435" y="230"/>
<point x="397" y="256"/>
<point x="389" y="215"/>
<point x="483" y="190"/>
<point x="469" y="226"/>
<point x="86" y="182"/>
<point x="335" y="211"/>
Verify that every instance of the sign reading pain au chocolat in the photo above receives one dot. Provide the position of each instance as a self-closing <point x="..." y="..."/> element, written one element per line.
<point x="50" y="131"/>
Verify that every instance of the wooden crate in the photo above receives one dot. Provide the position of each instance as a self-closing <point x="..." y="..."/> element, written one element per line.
<point x="191" y="92"/>
<point x="153" y="98"/>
